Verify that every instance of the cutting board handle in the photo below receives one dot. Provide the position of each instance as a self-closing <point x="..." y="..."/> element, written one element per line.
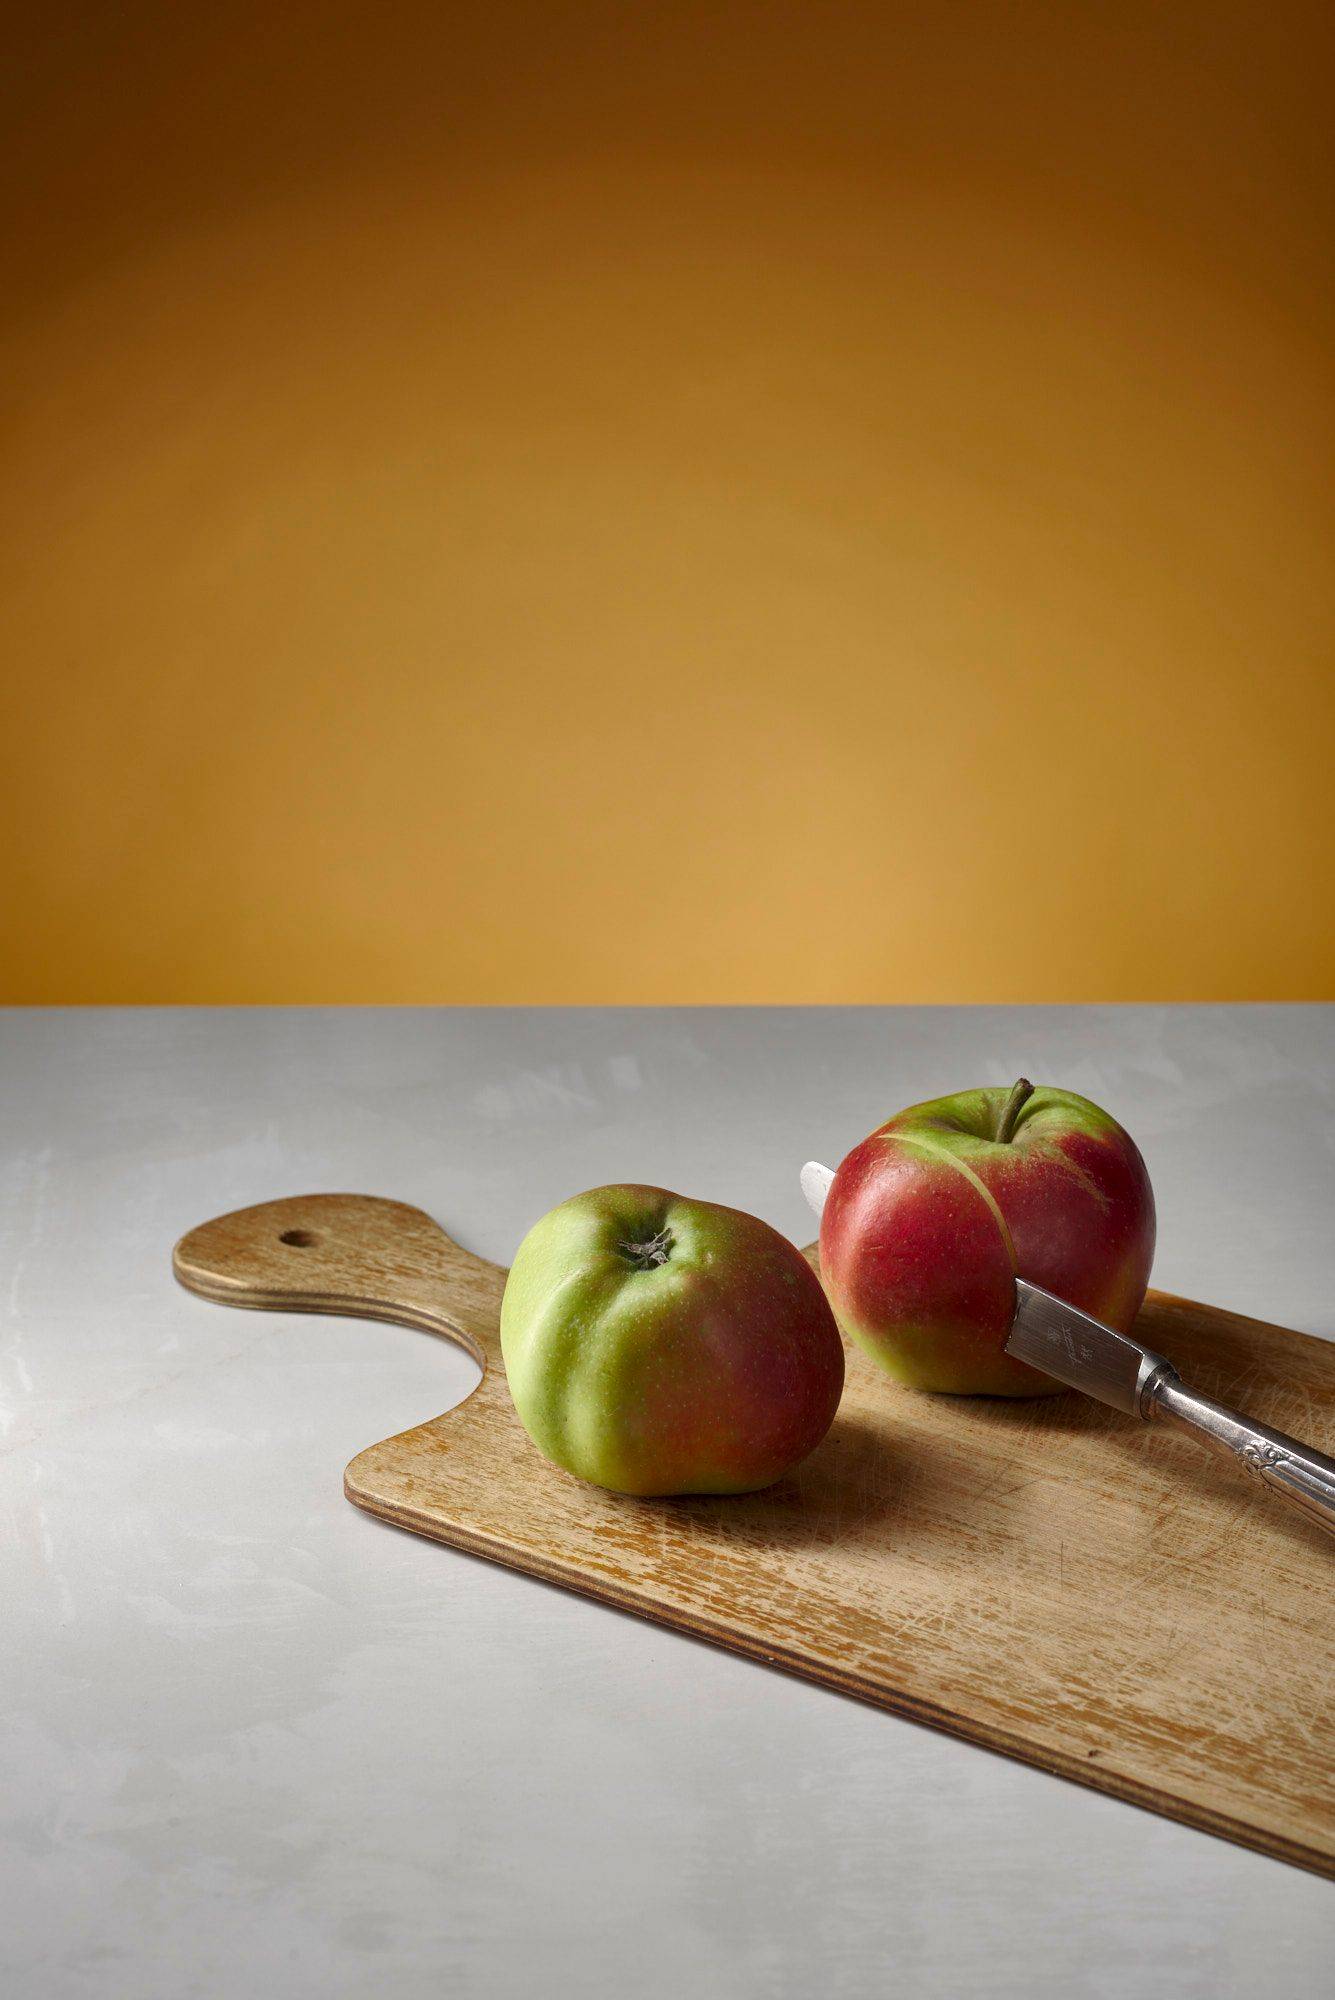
<point x="350" y="1254"/>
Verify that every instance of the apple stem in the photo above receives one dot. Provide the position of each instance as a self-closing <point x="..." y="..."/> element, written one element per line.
<point x="649" y="1256"/>
<point x="1011" y="1109"/>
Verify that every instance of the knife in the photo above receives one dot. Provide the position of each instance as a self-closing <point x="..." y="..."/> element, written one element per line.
<point x="1061" y="1341"/>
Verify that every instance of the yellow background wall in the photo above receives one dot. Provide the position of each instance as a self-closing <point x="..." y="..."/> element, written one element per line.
<point x="695" y="502"/>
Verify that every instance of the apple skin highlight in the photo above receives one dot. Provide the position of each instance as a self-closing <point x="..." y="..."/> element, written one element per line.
<point x="932" y="1217"/>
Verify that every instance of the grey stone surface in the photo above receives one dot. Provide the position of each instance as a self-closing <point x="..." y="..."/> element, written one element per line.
<point x="256" y="1742"/>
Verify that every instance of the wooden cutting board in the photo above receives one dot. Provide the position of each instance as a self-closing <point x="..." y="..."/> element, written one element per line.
<point x="1050" y="1579"/>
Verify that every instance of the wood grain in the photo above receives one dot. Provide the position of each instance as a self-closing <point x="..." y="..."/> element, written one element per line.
<point x="1049" y="1578"/>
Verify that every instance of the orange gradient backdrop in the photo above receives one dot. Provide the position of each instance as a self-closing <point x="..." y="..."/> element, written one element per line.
<point x="613" y="503"/>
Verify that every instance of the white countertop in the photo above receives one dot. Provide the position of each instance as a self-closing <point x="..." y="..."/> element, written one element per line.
<point x="256" y="1742"/>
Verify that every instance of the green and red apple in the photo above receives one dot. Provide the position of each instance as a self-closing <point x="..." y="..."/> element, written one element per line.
<point x="656" y="1345"/>
<point x="928" y="1223"/>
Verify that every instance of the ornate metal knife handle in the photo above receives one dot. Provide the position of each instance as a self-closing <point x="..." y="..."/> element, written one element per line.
<point x="1300" y="1475"/>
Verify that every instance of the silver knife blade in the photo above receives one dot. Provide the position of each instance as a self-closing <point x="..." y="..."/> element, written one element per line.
<point x="1082" y="1352"/>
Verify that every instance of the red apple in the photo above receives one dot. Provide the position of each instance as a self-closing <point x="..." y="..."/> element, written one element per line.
<point x="929" y="1221"/>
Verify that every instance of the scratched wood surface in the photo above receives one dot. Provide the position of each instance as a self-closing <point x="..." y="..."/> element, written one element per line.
<point x="1049" y="1579"/>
